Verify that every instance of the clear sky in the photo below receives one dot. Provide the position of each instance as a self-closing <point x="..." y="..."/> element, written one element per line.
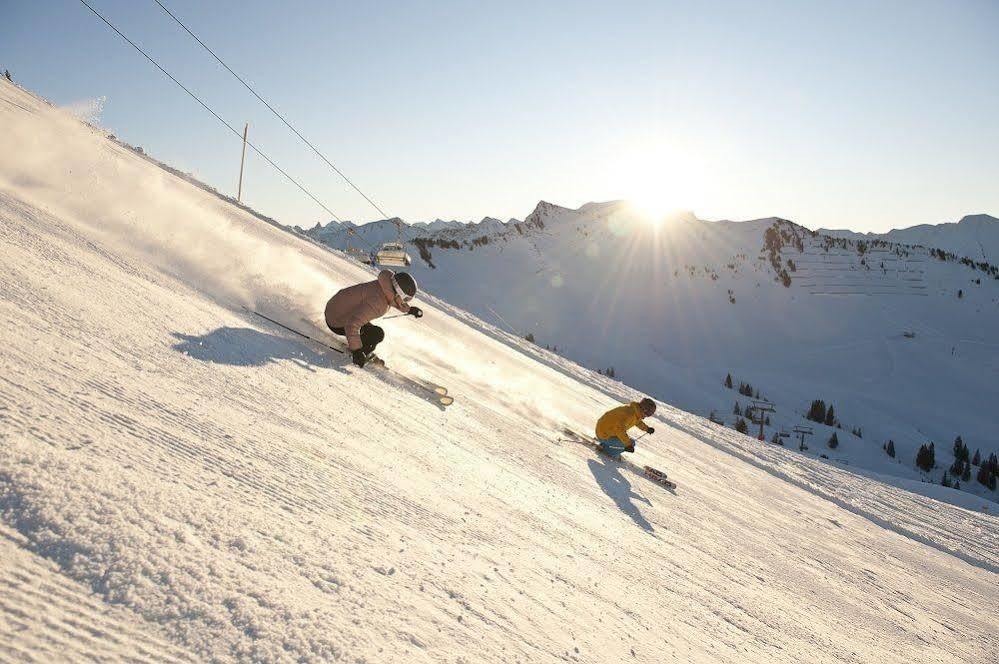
<point x="863" y="115"/>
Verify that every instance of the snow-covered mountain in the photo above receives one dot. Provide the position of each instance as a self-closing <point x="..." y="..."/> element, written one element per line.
<point x="899" y="338"/>
<point x="975" y="236"/>
<point x="182" y="481"/>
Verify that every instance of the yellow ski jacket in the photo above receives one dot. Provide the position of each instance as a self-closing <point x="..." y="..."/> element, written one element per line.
<point x="617" y="421"/>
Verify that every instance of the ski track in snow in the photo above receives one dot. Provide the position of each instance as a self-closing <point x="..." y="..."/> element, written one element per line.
<point x="179" y="481"/>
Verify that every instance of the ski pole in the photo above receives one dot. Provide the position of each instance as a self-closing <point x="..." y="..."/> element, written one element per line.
<point x="291" y="329"/>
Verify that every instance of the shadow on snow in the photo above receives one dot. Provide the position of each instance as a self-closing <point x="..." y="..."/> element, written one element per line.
<point x="245" y="347"/>
<point x="612" y="482"/>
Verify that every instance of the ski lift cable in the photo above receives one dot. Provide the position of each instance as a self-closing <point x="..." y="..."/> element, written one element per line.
<point x="278" y="115"/>
<point x="207" y="108"/>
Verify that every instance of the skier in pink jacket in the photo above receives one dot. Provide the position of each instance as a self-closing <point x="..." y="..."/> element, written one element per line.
<point x="349" y="313"/>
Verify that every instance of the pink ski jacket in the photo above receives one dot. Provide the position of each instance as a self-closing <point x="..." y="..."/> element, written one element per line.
<point x="352" y="307"/>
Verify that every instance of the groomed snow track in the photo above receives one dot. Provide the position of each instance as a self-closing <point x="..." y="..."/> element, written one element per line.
<point x="179" y="482"/>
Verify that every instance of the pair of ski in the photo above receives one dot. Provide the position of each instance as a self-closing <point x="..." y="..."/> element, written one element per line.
<point x="653" y="474"/>
<point x="375" y="362"/>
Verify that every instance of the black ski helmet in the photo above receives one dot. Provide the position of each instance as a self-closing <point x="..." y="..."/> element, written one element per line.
<point x="648" y="406"/>
<point x="406" y="282"/>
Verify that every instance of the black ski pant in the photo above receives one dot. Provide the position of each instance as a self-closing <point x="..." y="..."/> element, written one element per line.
<point x="371" y="336"/>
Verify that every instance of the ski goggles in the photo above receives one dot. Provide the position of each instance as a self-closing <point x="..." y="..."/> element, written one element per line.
<point x="399" y="293"/>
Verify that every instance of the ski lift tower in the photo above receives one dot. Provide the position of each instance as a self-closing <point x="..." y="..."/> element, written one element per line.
<point x="760" y="410"/>
<point x="802" y="432"/>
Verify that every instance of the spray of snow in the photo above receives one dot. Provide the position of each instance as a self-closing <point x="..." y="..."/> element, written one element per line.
<point x="208" y="244"/>
<point x="199" y="239"/>
<point x="87" y="110"/>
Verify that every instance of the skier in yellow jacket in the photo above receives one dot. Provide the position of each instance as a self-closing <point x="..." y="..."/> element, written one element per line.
<point x="612" y="427"/>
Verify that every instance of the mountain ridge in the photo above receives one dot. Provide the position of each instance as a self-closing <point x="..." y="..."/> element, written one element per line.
<point x="740" y="297"/>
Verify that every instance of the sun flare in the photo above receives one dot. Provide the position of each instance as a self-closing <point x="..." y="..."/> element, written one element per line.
<point x="656" y="210"/>
<point x="666" y="175"/>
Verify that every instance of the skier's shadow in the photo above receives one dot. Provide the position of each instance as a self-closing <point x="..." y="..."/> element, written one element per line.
<point x="612" y="482"/>
<point x="245" y="347"/>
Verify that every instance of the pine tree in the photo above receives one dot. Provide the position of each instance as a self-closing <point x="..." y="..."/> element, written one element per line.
<point x="737" y="410"/>
<point x="926" y="457"/>
<point x="817" y="411"/>
<point x="984" y="475"/>
<point x="833" y="441"/>
<point x="977" y="459"/>
<point x="960" y="449"/>
<point x="741" y="426"/>
<point x="957" y="467"/>
<point x="945" y="481"/>
<point x="891" y="448"/>
<point x="530" y="337"/>
<point x="728" y="381"/>
<point x="830" y="418"/>
<point x="966" y="475"/>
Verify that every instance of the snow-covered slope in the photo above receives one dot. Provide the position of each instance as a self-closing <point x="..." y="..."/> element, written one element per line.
<point x="900" y="339"/>
<point x="975" y="236"/>
<point x="182" y="482"/>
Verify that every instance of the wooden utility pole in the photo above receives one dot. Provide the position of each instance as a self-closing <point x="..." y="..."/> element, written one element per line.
<point x="242" y="160"/>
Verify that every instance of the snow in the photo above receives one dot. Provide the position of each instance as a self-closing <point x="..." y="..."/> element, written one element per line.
<point x="975" y="236"/>
<point x="675" y="308"/>
<point x="180" y="481"/>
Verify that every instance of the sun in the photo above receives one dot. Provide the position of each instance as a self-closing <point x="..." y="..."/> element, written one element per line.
<point x="655" y="209"/>
<point x="660" y="182"/>
<point x="661" y="201"/>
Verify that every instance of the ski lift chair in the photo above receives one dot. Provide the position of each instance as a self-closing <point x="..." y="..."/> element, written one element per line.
<point x="393" y="254"/>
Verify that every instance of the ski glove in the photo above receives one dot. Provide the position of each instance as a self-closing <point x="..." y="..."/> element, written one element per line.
<point x="650" y="431"/>
<point x="359" y="357"/>
<point x="416" y="312"/>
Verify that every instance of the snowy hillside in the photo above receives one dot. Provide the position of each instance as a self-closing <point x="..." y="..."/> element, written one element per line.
<point x="976" y="236"/>
<point x="899" y="339"/>
<point x="180" y="481"/>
